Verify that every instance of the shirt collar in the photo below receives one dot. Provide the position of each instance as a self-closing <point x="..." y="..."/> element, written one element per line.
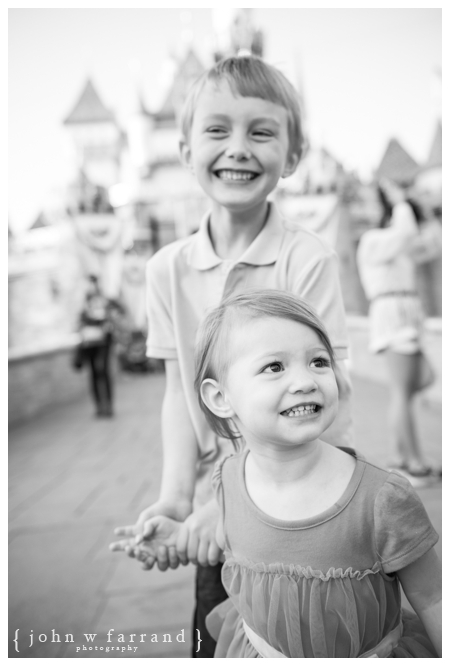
<point x="262" y="252"/>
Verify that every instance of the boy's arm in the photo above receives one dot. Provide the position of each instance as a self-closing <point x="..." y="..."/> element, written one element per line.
<point x="180" y="449"/>
<point x="180" y="454"/>
<point x="422" y="584"/>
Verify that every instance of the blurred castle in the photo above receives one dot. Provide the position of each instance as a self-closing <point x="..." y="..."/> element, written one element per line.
<point x="132" y="196"/>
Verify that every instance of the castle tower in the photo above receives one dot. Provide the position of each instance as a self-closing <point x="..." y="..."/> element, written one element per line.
<point x="139" y="125"/>
<point x="96" y="136"/>
<point x="164" y="136"/>
<point x="236" y="33"/>
<point x="188" y="70"/>
<point x="397" y="164"/>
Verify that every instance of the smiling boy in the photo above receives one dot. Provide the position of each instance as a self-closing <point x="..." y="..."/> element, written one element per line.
<point x="241" y="133"/>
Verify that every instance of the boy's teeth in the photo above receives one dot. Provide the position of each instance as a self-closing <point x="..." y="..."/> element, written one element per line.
<point x="297" y="411"/>
<point x="236" y="175"/>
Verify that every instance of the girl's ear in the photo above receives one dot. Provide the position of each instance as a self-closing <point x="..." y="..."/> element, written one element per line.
<point x="215" y="399"/>
<point x="291" y="164"/>
<point x="186" y="154"/>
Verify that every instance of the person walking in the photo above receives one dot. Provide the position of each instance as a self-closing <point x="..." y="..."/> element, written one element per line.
<point x="386" y="264"/>
<point x="96" y="331"/>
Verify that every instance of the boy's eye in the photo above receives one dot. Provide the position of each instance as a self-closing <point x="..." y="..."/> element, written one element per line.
<point x="215" y="130"/>
<point x="321" y="363"/>
<point x="273" y="367"/>
<point x="261" y="133"/>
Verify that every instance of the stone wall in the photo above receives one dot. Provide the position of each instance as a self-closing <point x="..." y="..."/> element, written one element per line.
<point x="40" y="378"/>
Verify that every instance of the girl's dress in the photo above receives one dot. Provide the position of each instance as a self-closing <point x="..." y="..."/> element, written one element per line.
<point x="324" y="586"/>
<point x="387" y="270"/>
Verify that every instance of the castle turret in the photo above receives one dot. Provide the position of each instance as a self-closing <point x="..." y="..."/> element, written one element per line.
<point x="236" y="33"/>
<point x="139" y="125"/>
<point x="96" y="136"/>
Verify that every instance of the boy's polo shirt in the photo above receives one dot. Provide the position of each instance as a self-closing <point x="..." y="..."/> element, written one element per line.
<point x="186" y="278"/>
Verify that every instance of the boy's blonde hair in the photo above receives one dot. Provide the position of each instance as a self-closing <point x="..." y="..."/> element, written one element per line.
<point x="212" y="358"/>
<point x="249" y="76"/>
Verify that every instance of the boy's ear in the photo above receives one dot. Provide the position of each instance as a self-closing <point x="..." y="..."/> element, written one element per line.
<point x="186" y="154"/>
<point x="291" y="164"/>
<point x="215" y="399"/>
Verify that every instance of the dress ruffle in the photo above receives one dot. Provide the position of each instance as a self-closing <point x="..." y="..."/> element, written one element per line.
<point x="297" y="571"/>
<point x="226" y="627"/>
<point x="304" y="613"/>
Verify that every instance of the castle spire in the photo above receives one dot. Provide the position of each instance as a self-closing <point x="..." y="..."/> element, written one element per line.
<point x="89" y="108"/>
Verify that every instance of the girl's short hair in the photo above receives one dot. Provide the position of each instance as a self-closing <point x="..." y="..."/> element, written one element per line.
<point x="250" y="76"/>
<point x="211" y="354"/>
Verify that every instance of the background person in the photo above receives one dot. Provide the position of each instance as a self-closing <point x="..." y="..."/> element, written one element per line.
<point x="96" y="331"/>
<point x="387" y="268"/>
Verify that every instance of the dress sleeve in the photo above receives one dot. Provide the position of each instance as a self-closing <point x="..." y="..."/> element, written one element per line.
<point x="403" y="531"/>
<point x="161" y="337"/>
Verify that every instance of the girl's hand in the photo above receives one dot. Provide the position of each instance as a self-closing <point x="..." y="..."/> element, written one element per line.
<point x="177" y="509"/>
<point x="157" y="543"/>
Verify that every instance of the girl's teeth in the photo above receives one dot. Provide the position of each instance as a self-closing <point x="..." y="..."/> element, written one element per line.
<point x="235" y="175"/>
<point x="297" y="411"/>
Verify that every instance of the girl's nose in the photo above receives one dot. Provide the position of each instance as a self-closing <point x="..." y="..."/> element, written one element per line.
<point x="303" y="383"/>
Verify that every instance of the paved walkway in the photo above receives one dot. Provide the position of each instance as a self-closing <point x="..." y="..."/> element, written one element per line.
<point x="72" y="480"/>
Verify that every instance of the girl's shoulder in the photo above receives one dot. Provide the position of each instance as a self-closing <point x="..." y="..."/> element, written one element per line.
<point x="228" y="466"/>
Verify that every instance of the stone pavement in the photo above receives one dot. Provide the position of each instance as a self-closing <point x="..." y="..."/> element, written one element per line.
<point x="73" y="479"/>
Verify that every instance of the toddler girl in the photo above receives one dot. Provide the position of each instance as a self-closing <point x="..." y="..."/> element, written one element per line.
<point x="318" y="542"/>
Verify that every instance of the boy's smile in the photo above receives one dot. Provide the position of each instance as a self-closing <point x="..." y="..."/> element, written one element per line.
<point x="280" y="384"/>
<point x="238" y="147"/>
<point x="235" y="175"/>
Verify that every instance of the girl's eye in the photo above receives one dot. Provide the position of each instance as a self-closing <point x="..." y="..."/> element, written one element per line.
<point x="321" y="363"/>
<point x="274" y="367"/>
<point x="265" y="134"/>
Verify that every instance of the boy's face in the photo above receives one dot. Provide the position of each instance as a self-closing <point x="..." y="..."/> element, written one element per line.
<point x="238" y="147"/>
<point x="280" y="386"/>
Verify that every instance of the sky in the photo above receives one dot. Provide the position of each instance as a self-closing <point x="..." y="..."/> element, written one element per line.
<point x="366" y="75"/>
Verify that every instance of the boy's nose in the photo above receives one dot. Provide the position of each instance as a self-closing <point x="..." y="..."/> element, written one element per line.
<point x="238" y="151"/>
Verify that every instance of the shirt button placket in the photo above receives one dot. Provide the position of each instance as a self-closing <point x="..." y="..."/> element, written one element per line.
<point x="229" y="280"/>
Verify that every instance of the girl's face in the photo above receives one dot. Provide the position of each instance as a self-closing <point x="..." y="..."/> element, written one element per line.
<point x="280" y="386"/>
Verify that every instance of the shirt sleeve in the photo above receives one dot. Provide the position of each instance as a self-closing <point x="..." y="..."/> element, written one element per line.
<point x="403" y="531"/>
<point x="161" y="337"/>
<point x="319" y="284"/>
